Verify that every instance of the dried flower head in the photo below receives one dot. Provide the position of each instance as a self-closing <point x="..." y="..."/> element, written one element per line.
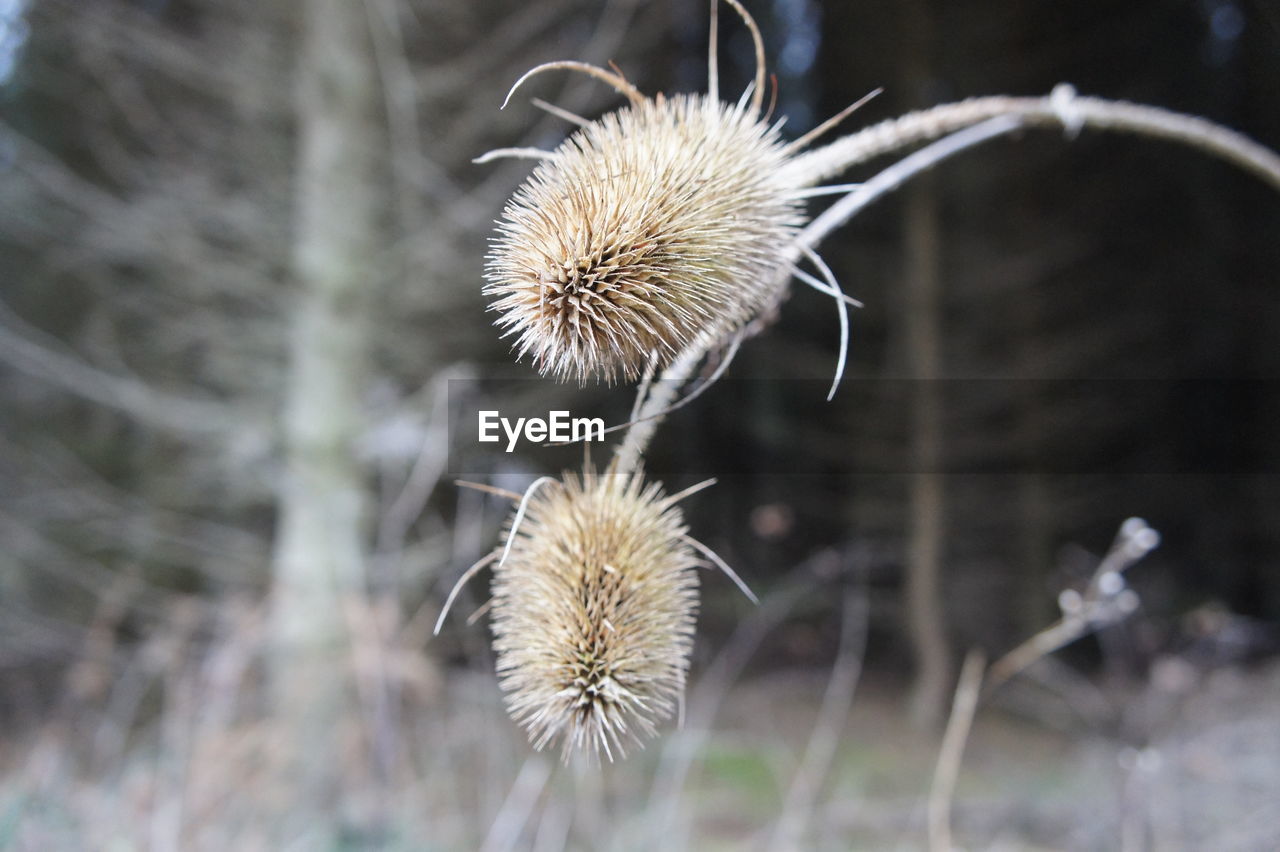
<point x="593" y="611"/>
<point x="656" y="226"/>
<point x="664" y="224"/>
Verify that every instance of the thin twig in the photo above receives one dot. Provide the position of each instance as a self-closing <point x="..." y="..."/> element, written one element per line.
<point x="504" y="833"/>
<point x="134" y="397"/>
<point x="945" y="774"/>
<point x="1106" y="600"/>
<point x="395" y="521"/>
<point x="836" y="701"/>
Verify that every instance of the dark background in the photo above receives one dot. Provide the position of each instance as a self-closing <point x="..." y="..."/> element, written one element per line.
<point x="1107" y="309"/>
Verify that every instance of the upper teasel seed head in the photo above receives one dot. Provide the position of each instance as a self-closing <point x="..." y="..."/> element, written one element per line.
<point x="594" y="606"/>
<point x="662" y="224"/>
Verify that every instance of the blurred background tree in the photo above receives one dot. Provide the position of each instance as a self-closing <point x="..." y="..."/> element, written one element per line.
<point x="233" y="238"/>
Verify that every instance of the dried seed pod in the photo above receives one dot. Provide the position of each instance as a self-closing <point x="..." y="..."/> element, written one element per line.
<point x="594" y="604"/>
<point x="661" y="224"/>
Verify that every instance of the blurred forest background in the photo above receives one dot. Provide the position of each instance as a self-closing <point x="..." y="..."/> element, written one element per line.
<point x="241" y="246"/>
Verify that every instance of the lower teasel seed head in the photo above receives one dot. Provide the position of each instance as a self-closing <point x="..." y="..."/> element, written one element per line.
<point x="661" y="224"/>
<point x="593" y="613"/>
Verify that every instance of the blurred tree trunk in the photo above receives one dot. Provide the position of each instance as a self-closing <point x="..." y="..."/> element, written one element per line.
<point x="319" y="561"/>
<point x="926" y="537"/>
<point x="923" y="332"/>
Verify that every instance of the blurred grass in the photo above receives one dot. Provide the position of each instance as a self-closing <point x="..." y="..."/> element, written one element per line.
<point x="1205" y="777"/>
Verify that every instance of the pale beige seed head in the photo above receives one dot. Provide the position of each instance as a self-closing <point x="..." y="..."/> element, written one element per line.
<point x="660" y="224"/>
<point x="593" y="613"/>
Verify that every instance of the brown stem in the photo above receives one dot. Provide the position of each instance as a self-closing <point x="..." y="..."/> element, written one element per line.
<point x="1062" y="109"/>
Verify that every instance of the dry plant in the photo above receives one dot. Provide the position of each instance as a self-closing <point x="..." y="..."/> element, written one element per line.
<point x="670" y="230"/>
<point x="1105" y="600"/>
<point x="665" y="232"/>
<point x="594" y="601"/>
<point x="641" y="263"/>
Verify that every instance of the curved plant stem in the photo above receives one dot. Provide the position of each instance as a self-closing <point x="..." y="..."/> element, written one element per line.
<point x="900" y="172"/>
<point x="1063" y="108"/>
<point x="947" y="771"/>
<point x="660" y="397"/>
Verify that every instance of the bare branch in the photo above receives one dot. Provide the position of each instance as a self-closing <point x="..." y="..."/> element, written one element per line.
<point x="1061" y="109"/>
<point x="900" y="172"/>
<point x="947" y="771"/>
<point x="836" y="701"/>
<point x="1106" y="600"/>
<point x="129" y="395"/>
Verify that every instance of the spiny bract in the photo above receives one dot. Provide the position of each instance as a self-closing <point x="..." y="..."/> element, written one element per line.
<point x="593" y="612"/>
<point x="660" y="224"/>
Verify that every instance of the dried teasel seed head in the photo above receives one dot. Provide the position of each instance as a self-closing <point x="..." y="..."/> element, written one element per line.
<point x="661" y="224"/>
<point x="593" y="612"/>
